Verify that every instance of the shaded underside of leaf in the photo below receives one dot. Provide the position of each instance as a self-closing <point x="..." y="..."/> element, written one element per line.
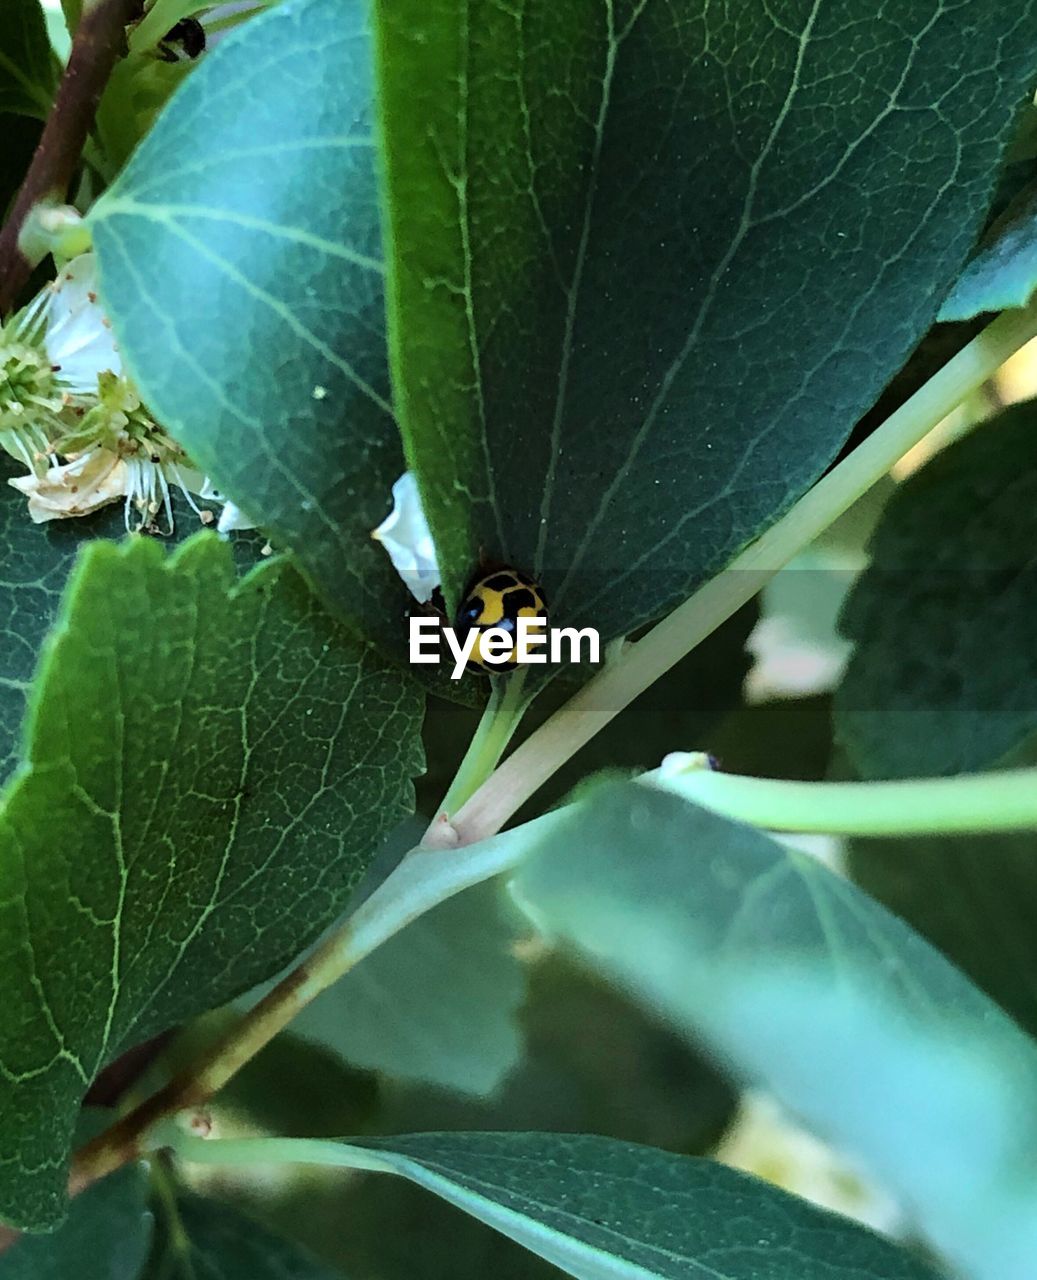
<point x="650" y="261"/>
<point x="943" y="678"/>
<point x="209" y="767"/>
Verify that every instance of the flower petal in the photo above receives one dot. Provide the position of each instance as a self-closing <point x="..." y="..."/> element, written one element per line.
<point x="75" y="488"/>
<point x="232" y="517"/>
<point x="405" y="535"/>
<point x="79" y="340"/>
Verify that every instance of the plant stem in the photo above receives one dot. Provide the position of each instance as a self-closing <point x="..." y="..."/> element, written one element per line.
<point x="500" y="719"/>
<point x="641" y="664"/>
<point x="98" y="43"/>
<point x="422" y="880"/>
<point x="252" y="1151"/>
<point x="979" y="803"/>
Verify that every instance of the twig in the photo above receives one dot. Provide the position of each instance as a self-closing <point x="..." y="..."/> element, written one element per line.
<point x="99" y="41"/>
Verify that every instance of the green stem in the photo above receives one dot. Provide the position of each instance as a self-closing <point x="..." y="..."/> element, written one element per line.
<point x="252" y="1151"/>
<point x="500" y="719"/>
<point x="979" y="803"/>
<point x="641" y="664"/>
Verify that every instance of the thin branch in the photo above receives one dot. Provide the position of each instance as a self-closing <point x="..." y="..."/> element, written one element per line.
<point x="99" y="42"/>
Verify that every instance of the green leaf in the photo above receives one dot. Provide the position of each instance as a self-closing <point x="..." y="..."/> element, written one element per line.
<point x="106" y="1236"/>
<point x="210" y="1241"/>
<point x="974" y="897"/>
<point x="649" y="262"/>
<point x="942" y="679"/>
<point x="437" y="1003"/>
<point x="802" y="984"/>
<point x="37" y="560"/>
<point x="241" y="267"/>
<point x="601" y="1209"/>
<point x="27" y="68"/>
<point x="1003" y="271"/>
<point x="209" y="766"/>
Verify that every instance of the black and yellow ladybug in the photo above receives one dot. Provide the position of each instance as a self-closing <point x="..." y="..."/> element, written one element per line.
<point x="497" y="600"/>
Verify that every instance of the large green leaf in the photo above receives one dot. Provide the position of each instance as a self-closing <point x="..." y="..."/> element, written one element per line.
<point x="800" y="982"/>
<point x="208" y="768"/>
<point x="974" y="897"/>
<point x="105" y="1237"/>
<point x="240" y="265"/>
<point x="651" y="259"/>
<point x="27" y="66"/>
<point x="606" y="1210"/>
<point x="211" y="1241"/>
<point x="943" y="679"/>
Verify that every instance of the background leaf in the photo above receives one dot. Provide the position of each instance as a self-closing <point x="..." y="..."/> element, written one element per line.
<point x="241" y="268"/>
<point x="639" y="296"/>
<point x="437" y="1003"/>
<point x="209" y="768"/>
<point x="214" y="1242"/>
<point x="106" y="1236"/>
<point x="600" y="1208"/>
<point x="27" y="66"/>
<point x="1003" y="271"/>
<point x="802" y="984"/>
<point x="943" y="678"/>
<point x="20" y="134"/>
<point x="974" y="897"/>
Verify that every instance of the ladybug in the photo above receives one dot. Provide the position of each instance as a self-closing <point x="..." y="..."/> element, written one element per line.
<point x="496" y="601"/>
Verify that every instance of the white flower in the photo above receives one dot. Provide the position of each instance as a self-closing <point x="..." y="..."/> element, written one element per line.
<point x="405" y="535"/>
<point x="764" y="1141"/>
<point x="79" y="338"/>
<point x="115" y="450"/>
<point x="51" y="354"/>
<point x="63" y="395"/>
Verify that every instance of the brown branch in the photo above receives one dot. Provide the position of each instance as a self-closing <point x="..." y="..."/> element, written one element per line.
<point x="198" y="1083"/>
<point x="99" y="42"/>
